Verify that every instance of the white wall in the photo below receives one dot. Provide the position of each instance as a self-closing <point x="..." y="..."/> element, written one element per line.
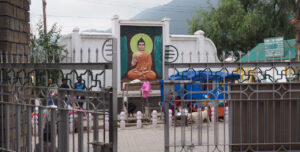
<point x="192" y="48"/>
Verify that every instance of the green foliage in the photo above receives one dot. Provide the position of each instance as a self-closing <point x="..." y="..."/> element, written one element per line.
<point x="45" y="45"/>
<point x="239" y="25"/>
<point x="46" y="49"/>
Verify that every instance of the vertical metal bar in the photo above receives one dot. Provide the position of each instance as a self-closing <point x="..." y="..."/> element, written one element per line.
<point x="273" y="113"/>
<point x="6" y="56"/>
<point x="200" y="127"/>
<point x="46" y="56"/>
<point x="111" y="122"/>
<point x="104" y="114"/>
<point x="29" y="127"/>
<point x="207" y="92"/>
<point x="73" y="129"/>
<point x="47" y="82"/>
<point x="63" y="131"/>
<point x="198" y="55"/>
<point x="97" y="53"/>
<point x="1" y="56"/>
<point x="2" y="105"/>
<point x="34" y="115"/>
<point x="17" y="56"/>
<point x="40" y="128"/>
<point x="166" y="130"/>
<point x="241" y="119"/>
<point x="298" y="120"/>
<point x="96" y="127"/>
<point x="18" y="128"/>
<point x="53" y="130"/>
<point x="290" y="105"/>
<point x="89" y="55"/>
<point x="80" y="132"/>
<point x="11" y="58"/>
<point x="73" y="60"/>
<point x="88" y="128"/>
<point x="81" y="55"/>
<point x="190" y="53"/>
<point x="23" y="57"/>
<point x="216" y="126"/>
<point x="7" y="128"/>
<point x="182" y="121"/>
<point x="67" y="52"/>
<point x="59" y="56"/>
<point x="29" y="57"/>
<point x="114" y="120"/>
<point x="175" y="107"/>
<point x="35" y="57"/>
<point x="224" y="100"/>
<point x="53" y="56"/>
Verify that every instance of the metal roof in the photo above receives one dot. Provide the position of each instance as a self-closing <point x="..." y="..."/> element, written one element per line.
<point x="258" y="52"/>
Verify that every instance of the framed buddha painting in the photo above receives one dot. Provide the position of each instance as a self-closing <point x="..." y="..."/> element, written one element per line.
<point x="141" y="53"/>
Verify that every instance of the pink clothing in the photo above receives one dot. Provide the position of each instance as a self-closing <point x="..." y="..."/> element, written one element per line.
<point x="146" y="89"/>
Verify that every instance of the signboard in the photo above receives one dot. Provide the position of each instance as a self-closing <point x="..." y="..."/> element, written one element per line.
<point x="274" y="47"/>
<point x="141" y="53"/>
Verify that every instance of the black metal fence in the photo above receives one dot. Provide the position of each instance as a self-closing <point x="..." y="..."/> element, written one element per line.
<point x="233" y="106"/>
<point x="52" y="105"/>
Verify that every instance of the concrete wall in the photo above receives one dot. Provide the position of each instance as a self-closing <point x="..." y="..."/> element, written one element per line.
<point x="192" y="48"/>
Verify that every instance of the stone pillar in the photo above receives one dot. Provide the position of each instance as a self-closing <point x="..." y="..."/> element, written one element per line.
<point x="14" y="39"/>
<point x="14" y="27"/>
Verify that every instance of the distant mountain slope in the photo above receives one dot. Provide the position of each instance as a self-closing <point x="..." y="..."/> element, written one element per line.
<point x="178" y="10"/>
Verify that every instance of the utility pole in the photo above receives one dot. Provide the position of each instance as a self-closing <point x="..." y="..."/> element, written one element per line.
<point x="44" y="15"/>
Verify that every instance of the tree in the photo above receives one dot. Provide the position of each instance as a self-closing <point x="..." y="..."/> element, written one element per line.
<point x="46" y="49"/>
<point x="239" y="25"/>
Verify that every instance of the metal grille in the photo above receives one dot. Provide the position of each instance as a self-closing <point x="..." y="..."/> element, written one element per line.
<point x="240" y="106"/>
<point x="37" y="115"/>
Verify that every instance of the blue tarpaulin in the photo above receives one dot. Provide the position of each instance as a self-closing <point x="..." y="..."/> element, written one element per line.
<point x="203" y="76"/>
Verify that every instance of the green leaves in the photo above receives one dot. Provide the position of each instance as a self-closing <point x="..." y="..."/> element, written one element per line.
<point x="45" y="47"/>
<point x="238" y="25"/>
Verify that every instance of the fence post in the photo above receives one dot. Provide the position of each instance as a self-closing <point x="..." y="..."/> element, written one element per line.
<point x="96" y="126"/>
<point x="29" y="136"/>
<point x="80" y="132"/>
<point x="53" y="130"/>
<point x="40" y="128"/>
<point x="113" y="121"/>
<point x="63" y="124"/>
<point x="166" y="130"/>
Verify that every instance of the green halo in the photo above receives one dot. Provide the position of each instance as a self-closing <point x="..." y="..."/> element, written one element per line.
<point x="146" y="38"/>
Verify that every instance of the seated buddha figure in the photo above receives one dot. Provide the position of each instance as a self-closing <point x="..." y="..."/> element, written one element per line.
<point x="142" y="62"/>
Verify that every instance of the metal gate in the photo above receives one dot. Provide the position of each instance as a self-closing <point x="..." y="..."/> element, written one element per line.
<point x="38" y="114"/>
<point x="207" y="108"/>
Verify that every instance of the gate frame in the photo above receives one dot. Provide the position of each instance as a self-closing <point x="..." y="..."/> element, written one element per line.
<point x="63" y="130"/>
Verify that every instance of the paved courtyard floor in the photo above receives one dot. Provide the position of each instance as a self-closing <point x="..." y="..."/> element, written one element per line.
<point x="151" y="139"/>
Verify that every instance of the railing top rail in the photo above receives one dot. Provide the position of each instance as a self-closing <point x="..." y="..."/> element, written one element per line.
<point x="233" y="65"/>
<point x="91" y="66"/>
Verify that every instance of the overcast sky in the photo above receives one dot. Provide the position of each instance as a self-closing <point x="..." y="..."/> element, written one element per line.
<point x="87" y="14"/>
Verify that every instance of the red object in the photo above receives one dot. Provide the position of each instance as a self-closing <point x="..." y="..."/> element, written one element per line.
<point x="176" y="102"/>
<point x="37" y="114"/>
<point x="293" y="20"/>
<point x="220" y="112"/>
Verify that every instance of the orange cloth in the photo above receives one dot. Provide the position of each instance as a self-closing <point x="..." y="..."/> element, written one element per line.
<point x="142" y="71"/>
